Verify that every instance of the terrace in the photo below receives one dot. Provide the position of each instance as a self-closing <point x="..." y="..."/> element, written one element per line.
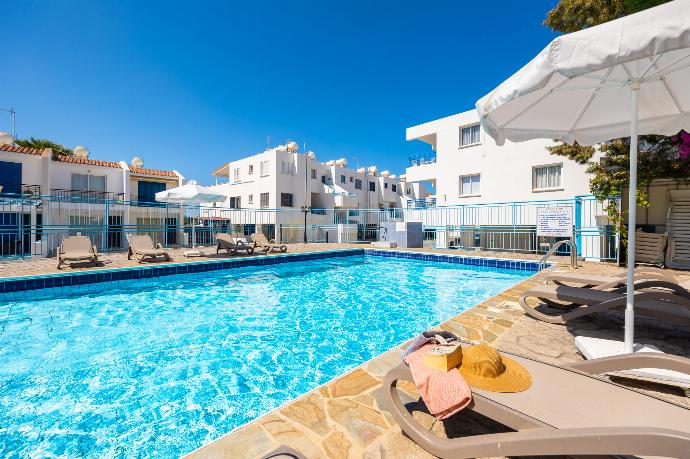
<point x="346" y="416"/>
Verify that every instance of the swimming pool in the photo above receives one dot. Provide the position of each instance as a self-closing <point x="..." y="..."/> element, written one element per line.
<point x="158" y="367"/>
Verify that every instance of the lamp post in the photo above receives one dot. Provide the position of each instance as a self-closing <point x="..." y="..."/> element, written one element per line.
<point x="305" y="208"/>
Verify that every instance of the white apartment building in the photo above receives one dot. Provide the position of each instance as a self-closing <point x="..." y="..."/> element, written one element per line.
<point x="487" y="196"/>
<point x="275" y="187"/>
<point x="467" y="167"/>
<point x="284" y="178"/>
<point x="44" y="197"/>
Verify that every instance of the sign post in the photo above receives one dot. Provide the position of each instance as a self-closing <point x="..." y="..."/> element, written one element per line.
<point x="557" y="222"/>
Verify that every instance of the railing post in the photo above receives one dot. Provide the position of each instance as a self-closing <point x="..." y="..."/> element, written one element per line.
<point x="105" y="226"/>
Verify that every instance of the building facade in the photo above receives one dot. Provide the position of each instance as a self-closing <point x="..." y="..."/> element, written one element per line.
<point x="280" y="189"/>
<point x="488" y="196"/>
<point x="44" y="197"/>
<point x="466" y="166"/>
<point x="284" y="178"/>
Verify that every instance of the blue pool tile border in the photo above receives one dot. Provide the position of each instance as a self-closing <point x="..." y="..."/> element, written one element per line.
<point x="10" y="286"/>
<point x="502" y="263"/>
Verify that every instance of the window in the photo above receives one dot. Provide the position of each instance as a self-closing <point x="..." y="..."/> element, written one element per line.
<point x="263" y="168"/>
<point x="250" y="199"/>
<point x="358" y="184"/>
<point x="350" y="179"/>
<point x="470" y="135"/>
<point x="372" y="186"/>
<point x="313" y="173"/>
<point x="385" y="185"/>
<point x="469" y="185"/>
<point x="286" y="199"/>
<point x="342" y="179"/>
<point x="323" y="179"/>
<point x="251" y="169"/>
<point x="287" y="168"/>
<point x="236" y="174"/>
<point x="547" y="177"/>
<point x="147" y="191"/>
<point x="235" y="202"/>
<point x="84" y="182"/>
<point x="394" y="188"/>
<point x="264" y="200"/>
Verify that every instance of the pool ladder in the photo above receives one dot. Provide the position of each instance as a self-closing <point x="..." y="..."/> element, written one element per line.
<point x="556" y="246"/>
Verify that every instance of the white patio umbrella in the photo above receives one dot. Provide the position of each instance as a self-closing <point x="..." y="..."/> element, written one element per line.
<point x="190" y="194"/>
<point x="626" y="77"/>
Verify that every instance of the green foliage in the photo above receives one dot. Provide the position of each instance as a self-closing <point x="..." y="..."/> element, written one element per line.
<point x="58" y="149"/>
<point x="573" y="15"/>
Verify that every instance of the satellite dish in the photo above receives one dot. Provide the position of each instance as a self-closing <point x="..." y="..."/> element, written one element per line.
<point x="292" y="146"/>
<point x="6" y="138"/>
<point x="137" y="162"/>
<point x="81" y="152"/>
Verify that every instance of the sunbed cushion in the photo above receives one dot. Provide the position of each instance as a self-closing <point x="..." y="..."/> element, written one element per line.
<point x="571" y="294"/>
<point x="563" y="398"/>
<point x="77" y="255"/>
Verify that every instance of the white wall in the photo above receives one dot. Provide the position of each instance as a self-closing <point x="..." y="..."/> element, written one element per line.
<point x="61" y="175"/>
<point x="506" y="171"/>
<point x="32" y="167"/>
<point x="291" y="179"/>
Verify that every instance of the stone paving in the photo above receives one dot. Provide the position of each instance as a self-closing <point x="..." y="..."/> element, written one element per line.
<point x="345" y="418"/>
<point x="37" y="265"/>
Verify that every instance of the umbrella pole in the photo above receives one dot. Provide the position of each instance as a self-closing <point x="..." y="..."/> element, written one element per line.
<point x="632" y="220"/>
<point x="193" y="236"/>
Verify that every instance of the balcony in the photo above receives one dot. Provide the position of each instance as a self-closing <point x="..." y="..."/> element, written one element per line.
<point x="20" y="189"/>
<point x="82" y="195"/>
<point x="420" y="160"/>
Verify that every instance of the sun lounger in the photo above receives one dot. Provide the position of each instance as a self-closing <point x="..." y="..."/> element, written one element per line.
<point x="232" y="245"/>
<point x="76" y="248"/>
<point x="566" y="411"/>
<point x="654" y="299"/>
<point x="283" y="452"/>
<point x="601" y="282"/>
<point x="142" y="246"/>
<point x="262" y="242"/>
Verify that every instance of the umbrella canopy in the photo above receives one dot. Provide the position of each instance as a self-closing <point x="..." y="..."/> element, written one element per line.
<point x="622" y="78"/>
<point x="191" y="194"/>
<point x="578" y="87"/>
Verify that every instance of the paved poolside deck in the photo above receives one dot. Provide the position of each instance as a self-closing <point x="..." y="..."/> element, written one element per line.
<point x="39" y="265"/>
<point x="345" y="418"/>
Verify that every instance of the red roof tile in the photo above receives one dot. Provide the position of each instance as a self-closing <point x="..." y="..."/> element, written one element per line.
<point x="90" y="162"/>
<point x="25" y="150"/>
<point x="158" y="172"/>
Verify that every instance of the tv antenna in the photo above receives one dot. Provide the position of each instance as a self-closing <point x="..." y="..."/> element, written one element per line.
<point x="13" y="115"/>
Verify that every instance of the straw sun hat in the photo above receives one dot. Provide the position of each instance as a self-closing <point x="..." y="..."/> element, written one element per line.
<point x="484" y="368"/>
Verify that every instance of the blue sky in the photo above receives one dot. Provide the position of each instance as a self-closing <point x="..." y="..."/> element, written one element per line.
<point x="192" y="85"/>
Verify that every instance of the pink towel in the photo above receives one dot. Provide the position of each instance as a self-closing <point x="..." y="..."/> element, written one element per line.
<point x="444" y="393"/>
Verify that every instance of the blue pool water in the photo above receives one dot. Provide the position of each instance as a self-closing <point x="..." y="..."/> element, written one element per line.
<point x="162" y="366"/>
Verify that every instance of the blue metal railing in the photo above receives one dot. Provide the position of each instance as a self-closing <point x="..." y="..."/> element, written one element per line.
<point x="36" y="225"/>
<point x="418" y="160"/>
